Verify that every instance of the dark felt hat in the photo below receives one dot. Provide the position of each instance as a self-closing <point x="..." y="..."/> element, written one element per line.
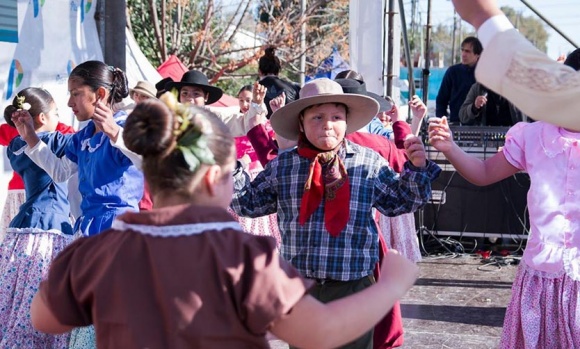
<point x="358" y="87"/>
<point x="161" y="85"/>
<point x="198" y="79"/>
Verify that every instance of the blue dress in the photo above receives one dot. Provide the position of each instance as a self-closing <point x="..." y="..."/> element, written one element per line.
<point x="109" y="183"/>
<point x="39" y="231"/>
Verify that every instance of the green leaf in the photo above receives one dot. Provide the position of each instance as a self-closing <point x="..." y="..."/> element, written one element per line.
<point x="190" y="158"/>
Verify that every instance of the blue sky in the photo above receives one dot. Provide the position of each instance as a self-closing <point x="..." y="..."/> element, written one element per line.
<point x="563" y="13"/>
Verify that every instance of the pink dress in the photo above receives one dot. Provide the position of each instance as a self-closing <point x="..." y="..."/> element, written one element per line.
<point x="266" y="225"/>
<point x="544" y="311"/>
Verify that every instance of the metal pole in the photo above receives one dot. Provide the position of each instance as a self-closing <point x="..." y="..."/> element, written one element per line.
<point x="550" y="24"/>
<point x="410" y="77"/>
<point x="303" y="43"/>
<point x="453" y="40"/>
<point x="390" y="47"/>
<point x="426" y="73"/>
<point x="111" y="21"/>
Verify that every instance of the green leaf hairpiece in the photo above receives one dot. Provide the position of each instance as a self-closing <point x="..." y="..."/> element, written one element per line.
<point x="191" y="132"/>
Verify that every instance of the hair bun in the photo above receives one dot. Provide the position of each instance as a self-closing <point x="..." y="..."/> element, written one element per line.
<point x="149" y="128"/>
<point x="8" y="111"/>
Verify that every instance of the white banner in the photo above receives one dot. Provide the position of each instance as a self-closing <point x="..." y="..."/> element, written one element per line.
<point x="53" y="37"/>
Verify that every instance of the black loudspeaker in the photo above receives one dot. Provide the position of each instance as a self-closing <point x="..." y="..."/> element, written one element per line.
<point x="461" y="208"/>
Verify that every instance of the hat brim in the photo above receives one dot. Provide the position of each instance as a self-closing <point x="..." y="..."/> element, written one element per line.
<point x="214" y="93"/>
<point x="361" y="110"/>
<point x="141" y="91"/>
<point x="384" y="105"/>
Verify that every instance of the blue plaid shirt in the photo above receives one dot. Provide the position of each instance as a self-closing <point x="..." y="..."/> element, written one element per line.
<point x="310" y="248"/>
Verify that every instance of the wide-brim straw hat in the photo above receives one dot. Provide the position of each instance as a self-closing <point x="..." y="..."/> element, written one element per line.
<point x="361" y="109"/>
<point x="145" y="88"/>
<point x="198" y="79"/>
<point x="359" y="87"/>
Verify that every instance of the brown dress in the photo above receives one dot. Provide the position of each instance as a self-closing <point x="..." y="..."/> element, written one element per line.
<point x="177" y="277"/>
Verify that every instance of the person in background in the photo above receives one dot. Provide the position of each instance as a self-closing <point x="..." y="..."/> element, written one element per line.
<point x="142" y="91"/>
<point x="16" y="194"/>
<point x="161" y="86"/>
<point x="194" y="88"/>
<point x="246" y="153"/>
<point x="39" y="231"/>
<point x="269" y="67"/>
<point x="511" y="66"/>
<point x="457" y="81"/>
<point x="484" y="107"/>
<point x="129" y="281"/>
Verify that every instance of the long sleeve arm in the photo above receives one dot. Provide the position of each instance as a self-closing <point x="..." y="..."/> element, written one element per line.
<point x="539" y="86"/>
<point x="120" y="144"/>
<point x="468" y="114"/>
<point x="59" y="169"/>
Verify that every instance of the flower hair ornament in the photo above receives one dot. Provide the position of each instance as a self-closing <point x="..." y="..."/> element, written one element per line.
<point x="22" y="105"/>
<point x="191" y="132"/>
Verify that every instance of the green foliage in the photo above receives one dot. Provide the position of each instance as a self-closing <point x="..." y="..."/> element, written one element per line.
<point x="530" y="26"/>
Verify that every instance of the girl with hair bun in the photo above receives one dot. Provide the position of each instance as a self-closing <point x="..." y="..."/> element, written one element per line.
<point x="109" y="182"/>
<point x="184" y="275"/>
<point x="269" y="67"/>
<point x="16" y="194"/>
<point x="40" y="229"/>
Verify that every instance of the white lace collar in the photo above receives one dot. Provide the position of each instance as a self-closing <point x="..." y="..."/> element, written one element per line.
<point x="175" y="230"/>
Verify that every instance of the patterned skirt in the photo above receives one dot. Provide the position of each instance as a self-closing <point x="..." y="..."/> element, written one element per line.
<point x="266" y="225"/>
<point x="83" y="338"/>
<point x="544" y="311"/>
<point x="14" y="199"/>
<point x="25" y="256"/>
<point x="400" y="234"/>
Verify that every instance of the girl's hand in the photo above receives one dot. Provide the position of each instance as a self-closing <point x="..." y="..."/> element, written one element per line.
<point x="104" y="121"/>
<point x="398" y="273"/>
<point x="418" y="108"/>
<point x="258" y="93"/>
<point x="278" y="102"/>
<point x="415" y="151"/>
<point x="25" y="126"/>
<point x="440" y="135"/>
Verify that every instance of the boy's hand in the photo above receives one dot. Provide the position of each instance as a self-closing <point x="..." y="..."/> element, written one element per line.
<point x="440" y="135"/>
<point x="415" y="151"/>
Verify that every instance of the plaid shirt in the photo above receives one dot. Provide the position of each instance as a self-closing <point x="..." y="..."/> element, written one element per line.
<point x="310" y="248"/>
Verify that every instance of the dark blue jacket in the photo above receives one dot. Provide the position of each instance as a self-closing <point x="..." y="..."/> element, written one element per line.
<point x="456" y="83"/>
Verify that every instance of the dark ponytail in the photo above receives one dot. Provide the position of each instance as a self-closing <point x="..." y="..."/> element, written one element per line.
<point x="97" y="74"/>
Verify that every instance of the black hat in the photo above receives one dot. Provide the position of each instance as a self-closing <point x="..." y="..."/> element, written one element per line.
<point x="198" y="79"/>
<point x="359" y="87"/>
<point x="161" y="85"/>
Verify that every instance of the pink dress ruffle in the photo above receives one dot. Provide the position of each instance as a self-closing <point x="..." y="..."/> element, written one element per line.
<point x="543" y="311"/>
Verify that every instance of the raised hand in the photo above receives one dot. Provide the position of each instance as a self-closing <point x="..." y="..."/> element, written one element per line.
<point x="418" y="108"/>
<point x="104" y="121"/>
<point x="25" y="126"/>
<point x="278" y="102"/>
<point x="415" y="150"/>
<point x="258" y="93"/>
<point x="475" y="12"/>
<point x="440" y="135"/>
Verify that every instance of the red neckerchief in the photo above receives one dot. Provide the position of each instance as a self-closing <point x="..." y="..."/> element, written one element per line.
<point x="331" y="181"/>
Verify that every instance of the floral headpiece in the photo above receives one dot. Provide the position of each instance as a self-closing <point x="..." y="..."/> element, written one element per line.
<point x="191" y="131"/>
<point x="21" y="104"/>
